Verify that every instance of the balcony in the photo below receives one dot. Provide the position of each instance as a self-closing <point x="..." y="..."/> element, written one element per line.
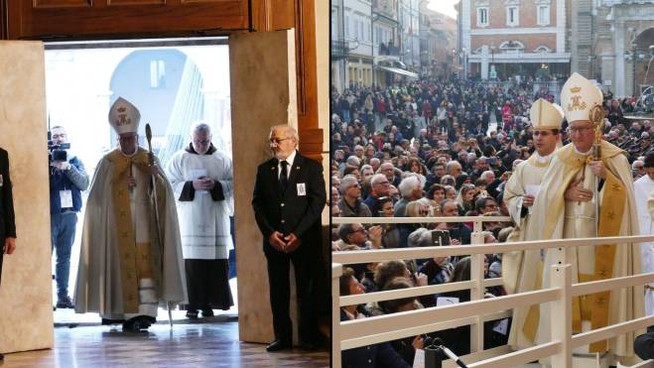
<point x="339" y="49"/>
<point x="388" y="50"/>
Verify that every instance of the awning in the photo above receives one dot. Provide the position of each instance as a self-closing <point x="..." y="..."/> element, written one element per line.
<point x="399" y="71"/>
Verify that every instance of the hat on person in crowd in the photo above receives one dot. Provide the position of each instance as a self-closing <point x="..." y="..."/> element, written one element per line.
<point x="578" y="97"/>
<point x="124" y="117"/>
<point x="545" y="115"/>
<point x="649" y="160"/>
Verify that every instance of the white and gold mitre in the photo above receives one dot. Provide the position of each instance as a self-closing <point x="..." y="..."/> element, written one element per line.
<point x="124" y="117"/>
<point x="578" y="97"/>
<point x="545" y="115"/>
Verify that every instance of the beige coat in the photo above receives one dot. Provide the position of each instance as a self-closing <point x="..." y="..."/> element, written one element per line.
<point x="106" y="268"/>
<point x="558" y="219"/>
<point x="521" y="270"/>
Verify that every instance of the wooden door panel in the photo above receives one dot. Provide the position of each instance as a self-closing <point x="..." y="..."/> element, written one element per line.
<point x="134" y="2"/>
<point x="285" y="14"/>
<point x="276" y="15"/>
<point x="86" y="19"/>
<point x="201" y="1"/>
<point x="61" y="3"/>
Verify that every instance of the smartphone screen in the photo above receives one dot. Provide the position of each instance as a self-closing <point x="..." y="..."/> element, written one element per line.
<point x="440" y="237"/>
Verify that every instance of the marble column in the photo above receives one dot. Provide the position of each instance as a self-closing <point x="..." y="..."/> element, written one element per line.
<point x="484" y="62"/>
<point x="26" y="321"/>
<point x="263" y="94"/>
<point x="619" y="46"/>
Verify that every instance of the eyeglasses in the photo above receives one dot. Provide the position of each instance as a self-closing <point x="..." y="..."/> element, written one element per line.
<point x="278" y="140"/>
<point x="204" y="141"/>
<point x="579" y="129"/>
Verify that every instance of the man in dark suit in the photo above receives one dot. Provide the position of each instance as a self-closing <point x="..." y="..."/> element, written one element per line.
<point x="7" y="217"/>
<point x="289" y="196"/>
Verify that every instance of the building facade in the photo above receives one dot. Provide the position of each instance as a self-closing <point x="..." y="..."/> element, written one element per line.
<point x="438" y="40"/>
<point x="352" y="50"/>
<point x="505" y="38"/>
<point x="376" y="42"/>
<point x="623" y="45"/>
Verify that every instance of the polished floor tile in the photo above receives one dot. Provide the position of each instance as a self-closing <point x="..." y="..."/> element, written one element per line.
<point x="206" y="343"/>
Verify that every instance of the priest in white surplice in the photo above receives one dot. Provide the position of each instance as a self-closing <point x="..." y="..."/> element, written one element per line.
<point x="201" y="177"/>
<point x="644" y="191"/>
<point x="521" y="271"/>
<point x="131" y="254"/>
<point x="566" y="207"/>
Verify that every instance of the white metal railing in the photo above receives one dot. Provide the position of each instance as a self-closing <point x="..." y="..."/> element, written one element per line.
<point x="357" y="333"/>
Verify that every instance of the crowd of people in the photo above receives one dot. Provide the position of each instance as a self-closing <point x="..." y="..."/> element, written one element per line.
<point x="449" y="148"/>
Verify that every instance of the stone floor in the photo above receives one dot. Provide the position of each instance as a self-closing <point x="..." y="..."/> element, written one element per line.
<point x="206" y="343"/>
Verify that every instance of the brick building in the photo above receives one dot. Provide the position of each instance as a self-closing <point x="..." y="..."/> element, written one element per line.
<point x="504" y="38"/>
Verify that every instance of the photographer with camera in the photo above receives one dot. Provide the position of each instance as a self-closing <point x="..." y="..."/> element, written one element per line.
<point x="68" y="179"/>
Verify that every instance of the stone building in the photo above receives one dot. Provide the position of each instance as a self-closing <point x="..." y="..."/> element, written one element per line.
<point x="622" y="45"/>
<point x="505" y="38"/>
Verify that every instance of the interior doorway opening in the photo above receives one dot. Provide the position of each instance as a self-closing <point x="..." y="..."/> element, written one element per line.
<point x="173" y="82"/>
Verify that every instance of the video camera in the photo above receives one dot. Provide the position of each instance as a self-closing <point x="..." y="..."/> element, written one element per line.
<point x="57" y="152"/>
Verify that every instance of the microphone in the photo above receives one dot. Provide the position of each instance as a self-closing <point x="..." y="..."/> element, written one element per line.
<point x="428" y="341"/>
<point x="433" y="354"/>
<point x="450" y="354"/>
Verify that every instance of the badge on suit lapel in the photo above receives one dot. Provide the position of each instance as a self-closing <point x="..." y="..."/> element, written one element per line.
<point x="301" y="190"/>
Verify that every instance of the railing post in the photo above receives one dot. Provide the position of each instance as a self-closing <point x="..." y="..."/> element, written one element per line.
<point x="337" y="271"/>
<point x="477" y="292"/>
<point x="561" y="315"/>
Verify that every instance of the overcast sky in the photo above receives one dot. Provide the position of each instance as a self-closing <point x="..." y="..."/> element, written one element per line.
<point x="444" y="6"/>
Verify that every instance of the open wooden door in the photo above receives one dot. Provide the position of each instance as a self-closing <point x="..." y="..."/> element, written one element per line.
<point x="263" y="94"/>
<point x="26" y="290"/>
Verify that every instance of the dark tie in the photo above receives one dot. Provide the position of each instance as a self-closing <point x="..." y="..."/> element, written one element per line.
<point x="283" y="176"/>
